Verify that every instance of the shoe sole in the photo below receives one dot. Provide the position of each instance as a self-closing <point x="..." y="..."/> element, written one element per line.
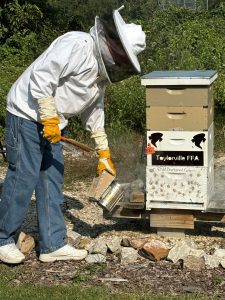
<point x="7" y="261"/>
<point x="52" y="259"/>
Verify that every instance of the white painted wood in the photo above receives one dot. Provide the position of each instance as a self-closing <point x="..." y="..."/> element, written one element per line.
<point x="181" y="140"/>
<point x="179" y="187"/>
<point x="191" y="78"/>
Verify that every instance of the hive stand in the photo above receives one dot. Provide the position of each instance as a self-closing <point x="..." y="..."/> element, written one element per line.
<point x="170" y="222"/>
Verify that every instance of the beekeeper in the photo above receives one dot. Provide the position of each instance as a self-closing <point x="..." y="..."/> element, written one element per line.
<point x="68" y="79"/>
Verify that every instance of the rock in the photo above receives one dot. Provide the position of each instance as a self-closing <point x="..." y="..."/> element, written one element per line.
<point x="181" y="250"/>
<point x="25" y="243"/>
<point x="155" y="250"/>
<point x="21" y="237"/>
<point x="89" y="247"/>
<point x="220" y="253"/>
<point x="128" y="255"/>
<point x="137" y="243"/>
<point x="212" y="261"/>
<point x="99" y="247"/>
<point x="85" y="243"/>
<point x="95" y="258"/>
<point x="114" y="244"/>
<point x="197" y="253"/>
<point x="16" y="281"/>
<point x="194" y="263"/>
<point x="125" y="242"/>
<point x="74" y="236"/>
<point x="223" y="263"/>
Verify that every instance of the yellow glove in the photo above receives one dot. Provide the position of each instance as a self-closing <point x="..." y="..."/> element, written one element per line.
<point x="105" y="162"/>
<point x="51" y="129"/>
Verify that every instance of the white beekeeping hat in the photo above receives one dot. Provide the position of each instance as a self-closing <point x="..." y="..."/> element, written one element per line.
<point x="118" y="44"/>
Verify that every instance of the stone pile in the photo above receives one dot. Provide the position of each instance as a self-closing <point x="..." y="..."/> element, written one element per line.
<point x="130" y="250"/>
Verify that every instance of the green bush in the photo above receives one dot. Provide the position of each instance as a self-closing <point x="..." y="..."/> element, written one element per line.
<point x="125" y="105"/>
<point x="177" y="38"/>
<point x="180" y="39"/>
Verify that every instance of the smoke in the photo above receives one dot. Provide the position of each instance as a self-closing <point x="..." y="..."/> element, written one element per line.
<point x="131" y="168"/>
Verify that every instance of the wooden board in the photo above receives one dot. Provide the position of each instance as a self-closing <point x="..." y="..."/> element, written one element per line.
<point x="126" y="213"/>
<point x="137" y="197"/>
<point x="172" y="219"/>
<point x="210" y="217"/>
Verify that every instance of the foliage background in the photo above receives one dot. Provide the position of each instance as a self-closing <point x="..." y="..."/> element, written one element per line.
<point x="177" y="38"/>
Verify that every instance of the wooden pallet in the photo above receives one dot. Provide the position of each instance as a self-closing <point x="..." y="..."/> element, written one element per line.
<point x="168" y="222"/>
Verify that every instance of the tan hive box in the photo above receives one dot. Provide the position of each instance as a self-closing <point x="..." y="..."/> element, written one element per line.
<point x="179" y="118"/>
<point x="179" y="95"/>
<point x="179" y="88"/>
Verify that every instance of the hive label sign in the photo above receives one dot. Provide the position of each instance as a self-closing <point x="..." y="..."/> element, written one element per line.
<point x="178" y="158"/>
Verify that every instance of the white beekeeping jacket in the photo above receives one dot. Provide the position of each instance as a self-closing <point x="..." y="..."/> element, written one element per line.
<point x="68" y="71"/>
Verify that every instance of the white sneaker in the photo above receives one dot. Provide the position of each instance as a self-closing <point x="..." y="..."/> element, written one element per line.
<point x="67" y="252"/>
<point x="11" y="254"/>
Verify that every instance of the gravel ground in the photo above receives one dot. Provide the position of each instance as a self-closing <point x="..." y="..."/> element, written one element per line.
<point x="86" y="218"/>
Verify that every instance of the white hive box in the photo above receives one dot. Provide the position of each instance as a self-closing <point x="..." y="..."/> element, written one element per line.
<point x="179" y="187"/>
<point x="181" y="148"/>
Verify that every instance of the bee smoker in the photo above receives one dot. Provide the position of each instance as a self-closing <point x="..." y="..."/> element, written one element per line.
<point x="111" y="196"/>
<point x="106" y="191"/>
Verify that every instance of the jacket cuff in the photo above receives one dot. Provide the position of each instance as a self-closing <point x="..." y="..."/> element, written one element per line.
<point x="100" y="138"/>
<point x="47" y="108"/>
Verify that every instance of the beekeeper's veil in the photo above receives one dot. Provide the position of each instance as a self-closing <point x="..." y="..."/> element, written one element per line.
<point x="118" y="45"/>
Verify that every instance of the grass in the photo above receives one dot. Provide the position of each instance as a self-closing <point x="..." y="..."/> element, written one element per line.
<point x="75" y="292"/>
<point x="10" y="288"/>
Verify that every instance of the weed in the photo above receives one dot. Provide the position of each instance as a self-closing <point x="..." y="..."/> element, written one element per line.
<point x="217" y="279"/>
<point x="95" y="268"/>
<point x="80" y="278"/>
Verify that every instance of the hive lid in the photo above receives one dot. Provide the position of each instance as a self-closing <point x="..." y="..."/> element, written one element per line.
<point x="197" y="77"/>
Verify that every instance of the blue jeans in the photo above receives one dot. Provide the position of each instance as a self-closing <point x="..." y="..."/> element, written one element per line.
<point x="34" y="164"/>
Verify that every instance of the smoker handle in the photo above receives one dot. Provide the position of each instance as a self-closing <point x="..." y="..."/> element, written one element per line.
<point x="77" y="144"/>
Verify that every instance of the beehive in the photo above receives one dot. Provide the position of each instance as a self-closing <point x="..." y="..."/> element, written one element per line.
<point x="180" y="138"/>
